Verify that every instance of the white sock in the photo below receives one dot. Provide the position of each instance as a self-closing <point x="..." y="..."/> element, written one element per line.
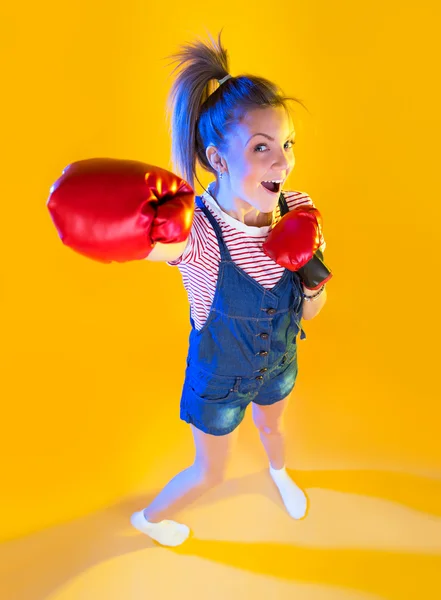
<point x="293" y="497"/>
<point x="167" y="533"/>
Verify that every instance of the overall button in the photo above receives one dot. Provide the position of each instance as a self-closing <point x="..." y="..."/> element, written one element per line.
<point x="259" y="377"/>
<point x="263" y="353"/>
<point x="263" y="370"/>
<point x="264" y="336"/>
<point x="271" y="311"/>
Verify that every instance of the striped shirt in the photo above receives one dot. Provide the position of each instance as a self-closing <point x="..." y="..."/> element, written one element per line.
<point x="199" y="263"/>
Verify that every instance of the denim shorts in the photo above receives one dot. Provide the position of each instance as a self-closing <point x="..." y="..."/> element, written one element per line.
<point x="216" y="404"/>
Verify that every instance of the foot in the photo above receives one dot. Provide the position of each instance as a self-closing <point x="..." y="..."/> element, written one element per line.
<point x="293" y="497"/>
<point x="166" y="533"/>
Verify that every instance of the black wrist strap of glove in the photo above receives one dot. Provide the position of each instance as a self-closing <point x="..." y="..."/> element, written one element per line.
<point x="315" y="272"/>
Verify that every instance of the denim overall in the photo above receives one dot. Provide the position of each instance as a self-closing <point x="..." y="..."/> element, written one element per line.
<point x="247" y="349"/>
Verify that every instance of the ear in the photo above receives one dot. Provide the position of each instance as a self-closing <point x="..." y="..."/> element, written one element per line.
<point x="214" y="158"/>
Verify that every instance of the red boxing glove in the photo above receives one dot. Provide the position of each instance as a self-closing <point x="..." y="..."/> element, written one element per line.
<point x="295" y="238"/>
<point x="294" y="242"/>
<point x="116" y="210"/>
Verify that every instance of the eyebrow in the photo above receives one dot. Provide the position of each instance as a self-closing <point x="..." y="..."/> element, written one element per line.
<point x="266" y="135"/>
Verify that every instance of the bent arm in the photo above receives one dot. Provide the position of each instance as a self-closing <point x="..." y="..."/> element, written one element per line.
<point x="312" y="309"/>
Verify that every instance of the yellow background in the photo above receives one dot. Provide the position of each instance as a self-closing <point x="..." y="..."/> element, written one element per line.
<point x="92" y="357"/>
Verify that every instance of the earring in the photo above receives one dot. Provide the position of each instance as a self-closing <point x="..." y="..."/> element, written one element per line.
<point x="221" y="175"/>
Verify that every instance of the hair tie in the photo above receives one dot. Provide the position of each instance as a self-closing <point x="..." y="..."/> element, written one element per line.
<point x="221" y="81"/>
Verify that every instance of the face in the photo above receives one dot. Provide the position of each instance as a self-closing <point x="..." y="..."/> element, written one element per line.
<point x="259" y="149"/>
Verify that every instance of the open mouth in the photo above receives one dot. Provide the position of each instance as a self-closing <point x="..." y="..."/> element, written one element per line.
<point x="271" y="186"/>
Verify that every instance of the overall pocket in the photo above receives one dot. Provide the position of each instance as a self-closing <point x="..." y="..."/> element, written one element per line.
<point x="212" y="388"/>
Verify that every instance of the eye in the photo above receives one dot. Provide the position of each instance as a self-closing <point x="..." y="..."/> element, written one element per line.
<point x="262" y="145"/>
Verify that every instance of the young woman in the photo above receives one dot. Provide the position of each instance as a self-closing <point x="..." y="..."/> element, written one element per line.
<point x="245" y="307"/>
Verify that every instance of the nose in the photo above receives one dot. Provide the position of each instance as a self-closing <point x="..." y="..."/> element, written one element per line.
<point x="284" y="162"/>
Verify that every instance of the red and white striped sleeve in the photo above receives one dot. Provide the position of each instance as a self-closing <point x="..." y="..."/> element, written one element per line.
<point x="196" y="241"/>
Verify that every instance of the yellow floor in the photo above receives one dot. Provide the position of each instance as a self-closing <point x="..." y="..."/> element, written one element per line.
<point x="367" y="534"/>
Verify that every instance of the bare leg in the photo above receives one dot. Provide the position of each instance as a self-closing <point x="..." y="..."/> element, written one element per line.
<point x="208" y="469"/>
<point x="268" y="420"/>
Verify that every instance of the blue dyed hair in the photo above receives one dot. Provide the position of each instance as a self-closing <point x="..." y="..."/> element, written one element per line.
<point x="202" y="113"/>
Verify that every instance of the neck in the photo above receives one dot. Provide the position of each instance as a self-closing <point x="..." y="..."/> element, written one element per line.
<point x="237" y="208"/>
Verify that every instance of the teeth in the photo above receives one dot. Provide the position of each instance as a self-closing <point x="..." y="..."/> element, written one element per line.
<point x="273" y="181"/>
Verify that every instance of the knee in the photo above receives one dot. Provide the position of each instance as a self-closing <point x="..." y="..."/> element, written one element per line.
<point x="266" y="427"/>
<point x="210" y="475"/>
